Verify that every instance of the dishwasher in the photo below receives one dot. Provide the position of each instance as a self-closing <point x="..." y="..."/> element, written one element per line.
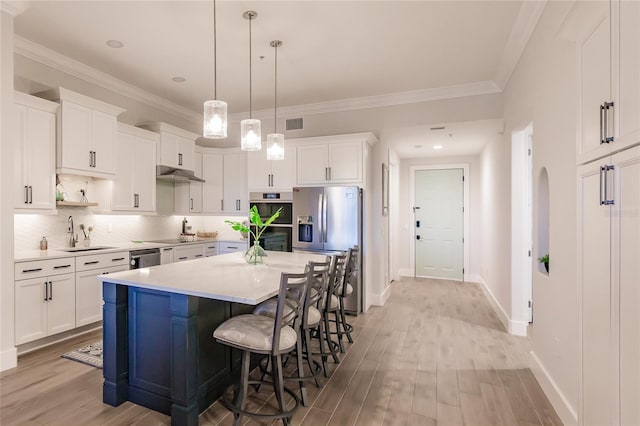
<point x="144" y="258"/>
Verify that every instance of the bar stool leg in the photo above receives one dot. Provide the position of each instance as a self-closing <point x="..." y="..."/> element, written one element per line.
<point x="339" y="332"/>
<point x="321" y="337"/>
<point x="240" y="399"/>
<point x="330" y="342"/>
<point x="303" y="389"/>
<point x="278" y="385"/>
<point x="347" y="327"/>
<point x="307" y="345"/>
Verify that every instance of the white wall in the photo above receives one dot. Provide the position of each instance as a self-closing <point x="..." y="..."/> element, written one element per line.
<point x="405" y="214"/>
<point x="8" y="356"/>
<point x="542" y="90"/>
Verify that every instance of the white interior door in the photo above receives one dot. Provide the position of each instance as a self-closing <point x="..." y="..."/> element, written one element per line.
<point x="439" y="223"/>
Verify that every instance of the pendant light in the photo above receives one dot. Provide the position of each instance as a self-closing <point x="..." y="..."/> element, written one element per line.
<point x="250" y="132"/>
<point x="214" y="125"/>
<point x="275" y="140"/>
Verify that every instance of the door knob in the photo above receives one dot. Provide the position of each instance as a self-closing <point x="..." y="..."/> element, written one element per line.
<point x="417" y="224"/>
<point x="417" y="237"/>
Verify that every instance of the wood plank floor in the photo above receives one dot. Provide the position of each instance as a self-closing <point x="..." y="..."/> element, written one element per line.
<point x="436" y="354"/>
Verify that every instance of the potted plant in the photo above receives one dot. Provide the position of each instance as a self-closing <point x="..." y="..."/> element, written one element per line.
<point x="255" y="253"/>
<point x="545" y="261"/>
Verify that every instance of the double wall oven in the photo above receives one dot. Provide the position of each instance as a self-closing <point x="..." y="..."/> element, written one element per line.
<point x="278" y="236"/>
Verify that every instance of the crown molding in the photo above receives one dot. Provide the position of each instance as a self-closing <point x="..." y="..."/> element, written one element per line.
<point x="53" y="59"/>
<point x="14" y="8"/>
<point x="84" y="72"/>
<point x="521" y="32"/>
<point x="392" y="99"/>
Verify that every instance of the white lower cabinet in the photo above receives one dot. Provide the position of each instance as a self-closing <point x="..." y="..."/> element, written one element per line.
<point x="609" y="273"/>
<point x="89" y="294"/>
<point x="210" y="249"/>
<point x="166" y="255"/>
<point x="188" y="252"/>
<point x="44" y="306"/>
<point x="231" y="246"/>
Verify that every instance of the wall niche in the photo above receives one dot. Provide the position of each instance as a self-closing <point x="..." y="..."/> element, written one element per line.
<point x="543" y="219"/>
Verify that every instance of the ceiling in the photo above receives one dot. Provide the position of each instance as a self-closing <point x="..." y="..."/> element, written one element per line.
<point x="333" y="50"/>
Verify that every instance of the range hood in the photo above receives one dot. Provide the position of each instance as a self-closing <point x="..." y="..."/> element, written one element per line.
<point x="176" y="175"/>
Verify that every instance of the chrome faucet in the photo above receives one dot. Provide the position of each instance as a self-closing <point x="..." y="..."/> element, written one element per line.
<point x="70" y="230"/>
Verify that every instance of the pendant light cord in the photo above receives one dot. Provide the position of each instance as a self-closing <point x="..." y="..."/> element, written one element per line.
<point x="275" y="97"/>
<point x="215" y="51"/>
<point x="250" y="101"/>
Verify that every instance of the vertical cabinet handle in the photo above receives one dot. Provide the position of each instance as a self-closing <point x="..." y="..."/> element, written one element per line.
<point x="30" y="194"/>
<point x="95" y="159"/>
<point x="268" y="180"/>
<point x="329" y="172"/>
<point x="607" y="107"/>
<point x="46" y="291"/>
<point x="601" y="128"/>
<point x="50" y="290"/>
<point x="191" y="205"/>
<point x="601" y="182"/>
<point x="607" y="201"/>
<point x="26" y="194"/>
<point x="179" y="159"/>
<point x="238" y="205"/>
<point x="221" y="204"/>
<point x="90" y="158"/>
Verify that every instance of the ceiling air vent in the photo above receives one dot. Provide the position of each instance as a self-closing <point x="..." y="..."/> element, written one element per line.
<point x="294" y="124"/>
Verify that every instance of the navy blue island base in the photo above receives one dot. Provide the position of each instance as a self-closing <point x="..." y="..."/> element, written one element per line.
<point x="159" y="350"/>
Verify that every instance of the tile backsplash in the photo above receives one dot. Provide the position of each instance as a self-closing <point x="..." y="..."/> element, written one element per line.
<point x="108" y="229"/>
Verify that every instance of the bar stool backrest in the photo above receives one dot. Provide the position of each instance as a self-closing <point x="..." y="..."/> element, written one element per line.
<point x="338" y="266"/>
<point x="320" y="273"/>
<point x="350" y="271"/>
<point x="292" y="294"/>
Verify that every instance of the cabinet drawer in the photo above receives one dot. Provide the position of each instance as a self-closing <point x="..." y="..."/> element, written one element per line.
<point x="103" y="260"/>
<point x="41" y="268"/>
<point x="180" y="254"/>
<point x="210" y="249"/>
<point x="230" y="247"/>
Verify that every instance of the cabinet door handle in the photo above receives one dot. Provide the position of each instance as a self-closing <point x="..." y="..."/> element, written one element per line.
<point x="179" y="159"/>
<point x="191" y="200"/>
<point x="95" y="159"/>
<point x="238" y="204"/>
<point x="24" y="271"/>
<point x="607" y="106"/>
<point x="329" y="172"/>
<point x="26" y="194"/>
<point x="30" y="194"/>
<point x="50" y="290"/>
<point x="601" y="182"/>
<point x="46" y="291"/>
<point x="62" y="266"/>
<point x="211" y="247"/>
<point x="221" y="204"/>
<point x="198" y="255"/>
<point x="92" y="263"/>
<point x="167" y="249"/>
<point x="231" y="247"/>
<point x="117" y="259"/>
<point x="90" y="158"/>
<point x="182" y="258"/>
<point x="607" y="201"/>
<point x="601" y="127"/>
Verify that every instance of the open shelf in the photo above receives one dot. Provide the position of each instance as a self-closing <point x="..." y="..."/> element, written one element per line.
<point x="74" y="204"/>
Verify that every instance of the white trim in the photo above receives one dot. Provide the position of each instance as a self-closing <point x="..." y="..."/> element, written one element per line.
<point x="14" y="8"/>
<point x="518" y="328"/>
<point x="8" y="359"/>
<point x="521" y="228"/>
<point x="561" y="404"/>
<point x="406" y="272"/>
<point x="412" y="186"/>
<point x="53" y="59"/>
<point x="57" y="61"/>
<point x="473" y="278"/>
<point x="521" y="32"/>
<point x="497" y="307"/>
<point x="381" y="298"/>
<point x="486" y="87"/>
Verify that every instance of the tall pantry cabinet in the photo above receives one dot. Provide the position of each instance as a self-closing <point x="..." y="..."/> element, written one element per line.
<point x="609" y="211"/>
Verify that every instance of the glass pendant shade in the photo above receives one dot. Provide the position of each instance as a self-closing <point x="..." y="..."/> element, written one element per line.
<point x="275" y="146"/>
<point x="250" y="135"/>
<point x="215" y="120"/>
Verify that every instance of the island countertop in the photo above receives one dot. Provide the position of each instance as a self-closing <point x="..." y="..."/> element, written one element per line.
<point x="225" y="277"/>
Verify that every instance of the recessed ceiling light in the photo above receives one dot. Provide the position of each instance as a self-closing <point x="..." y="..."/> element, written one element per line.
<point x="179" y="79"/>
<point x="116" y="44"/>
<point x="437" y="147"/>
<point x="417" y="146"/>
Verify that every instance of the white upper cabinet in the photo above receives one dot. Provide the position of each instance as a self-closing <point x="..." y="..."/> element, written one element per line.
<point x="34" y="153"/>
<point x="626" y="71"/>
<point x="608" y="41"/>
<point x="235" y="193"/>
<point x="212" y="188"/>
<point x="188" y="195"/>
<point x="333" y="159"/>
<point x="177" y="146"/>
<point x="270" y="175"/>
<point x="87" y="132"/>
<point x="134" y="186"/>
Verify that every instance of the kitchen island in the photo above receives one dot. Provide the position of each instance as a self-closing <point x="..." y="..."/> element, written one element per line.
<point x="158" y="326"/>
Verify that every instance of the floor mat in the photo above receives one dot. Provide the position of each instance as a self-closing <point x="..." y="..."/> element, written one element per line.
<point x="90" y="355"/>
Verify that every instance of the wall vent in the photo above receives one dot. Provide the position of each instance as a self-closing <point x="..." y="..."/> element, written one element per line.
<point x="294" y="124"/>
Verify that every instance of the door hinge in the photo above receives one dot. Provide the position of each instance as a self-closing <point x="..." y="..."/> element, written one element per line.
<point x="462" y="271"/>
<point x="529" y="151"/>
<point x="463" y="178"/>
<point x="529" y="256"/>
<point x="529" y="303"/>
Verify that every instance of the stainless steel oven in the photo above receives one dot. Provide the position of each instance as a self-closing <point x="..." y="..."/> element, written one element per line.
<point x="279" y="235"/>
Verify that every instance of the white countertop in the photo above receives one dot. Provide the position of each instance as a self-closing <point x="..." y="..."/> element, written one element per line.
<point x="224" y="277"/>
<point x="52" y="253"/>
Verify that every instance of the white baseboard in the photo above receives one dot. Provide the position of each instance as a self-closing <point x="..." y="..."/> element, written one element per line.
<point x="504" y="318"/>
<point x="405" y="272"/>
<point x="8" y="359"/>
<point x="518" y="328"/>
<point x="567" y="413"/>
<point x="473" y="278"/>
<point x="381" y="299"/>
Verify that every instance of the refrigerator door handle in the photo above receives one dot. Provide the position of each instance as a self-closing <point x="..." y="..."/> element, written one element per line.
<point x="324" y="218"/>
<point x="320" y="215"/>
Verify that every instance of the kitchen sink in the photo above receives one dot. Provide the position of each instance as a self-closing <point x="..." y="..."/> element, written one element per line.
<point x="81" y="249"/>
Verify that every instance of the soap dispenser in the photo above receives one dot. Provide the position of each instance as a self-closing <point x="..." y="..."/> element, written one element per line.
<point x="43" y="243"/>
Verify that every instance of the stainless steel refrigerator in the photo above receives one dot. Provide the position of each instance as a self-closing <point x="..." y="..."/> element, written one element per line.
<point x="329" y="219"/>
